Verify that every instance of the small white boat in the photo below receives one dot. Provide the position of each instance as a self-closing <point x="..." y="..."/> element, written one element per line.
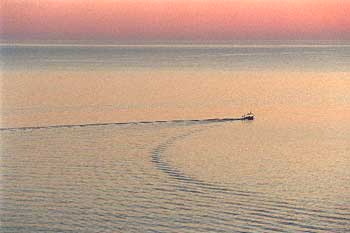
<point x="248" y="116"/>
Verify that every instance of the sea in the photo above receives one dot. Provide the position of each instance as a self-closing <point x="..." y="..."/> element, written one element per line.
<point x="113" y="137"/>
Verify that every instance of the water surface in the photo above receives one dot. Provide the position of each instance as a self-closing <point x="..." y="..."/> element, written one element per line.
<point x="286" y="171"/>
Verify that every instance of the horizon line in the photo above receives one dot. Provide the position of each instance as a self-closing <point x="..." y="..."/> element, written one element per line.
<point x="179" y="43"/>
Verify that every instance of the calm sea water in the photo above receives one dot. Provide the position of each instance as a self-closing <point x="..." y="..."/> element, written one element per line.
<point x="286" y="171"/>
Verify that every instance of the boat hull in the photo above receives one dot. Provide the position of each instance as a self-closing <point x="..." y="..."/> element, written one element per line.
<point x="249" y="118"/>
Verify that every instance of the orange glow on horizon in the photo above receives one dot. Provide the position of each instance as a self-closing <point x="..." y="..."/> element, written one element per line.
<point x="175" y="19"/>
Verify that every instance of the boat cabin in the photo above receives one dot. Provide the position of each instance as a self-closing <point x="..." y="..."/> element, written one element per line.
<point x="248" y="116"/>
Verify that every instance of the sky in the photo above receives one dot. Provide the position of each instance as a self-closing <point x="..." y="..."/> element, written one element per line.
<point x="154" y="20"/>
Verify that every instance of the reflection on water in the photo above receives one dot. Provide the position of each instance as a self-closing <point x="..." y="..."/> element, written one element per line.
<point x="286" y="171"/>
<point x="44" y="98"/>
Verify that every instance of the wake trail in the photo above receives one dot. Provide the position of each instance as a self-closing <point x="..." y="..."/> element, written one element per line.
<point x="198" y="121"/>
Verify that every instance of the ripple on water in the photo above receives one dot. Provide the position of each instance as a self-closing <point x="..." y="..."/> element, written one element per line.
<point x="116" y="178"/>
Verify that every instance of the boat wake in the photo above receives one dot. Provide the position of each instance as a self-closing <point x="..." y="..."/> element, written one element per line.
<point x="249" y="211"/>
<point x="198" y="121"/>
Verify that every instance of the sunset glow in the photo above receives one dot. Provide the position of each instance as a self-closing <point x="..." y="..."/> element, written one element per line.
<point x="175" y="20"/>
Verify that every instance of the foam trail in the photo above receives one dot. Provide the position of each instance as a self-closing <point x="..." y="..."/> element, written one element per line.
<point x="206" y="121"/>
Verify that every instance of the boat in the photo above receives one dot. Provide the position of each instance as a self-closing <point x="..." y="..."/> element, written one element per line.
<point x="248" y="116"/>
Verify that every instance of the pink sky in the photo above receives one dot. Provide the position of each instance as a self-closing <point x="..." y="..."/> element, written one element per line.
<point x="175" y="19"/>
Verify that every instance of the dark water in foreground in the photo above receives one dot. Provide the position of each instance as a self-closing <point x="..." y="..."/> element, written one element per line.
<point x="286" y="171"/>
